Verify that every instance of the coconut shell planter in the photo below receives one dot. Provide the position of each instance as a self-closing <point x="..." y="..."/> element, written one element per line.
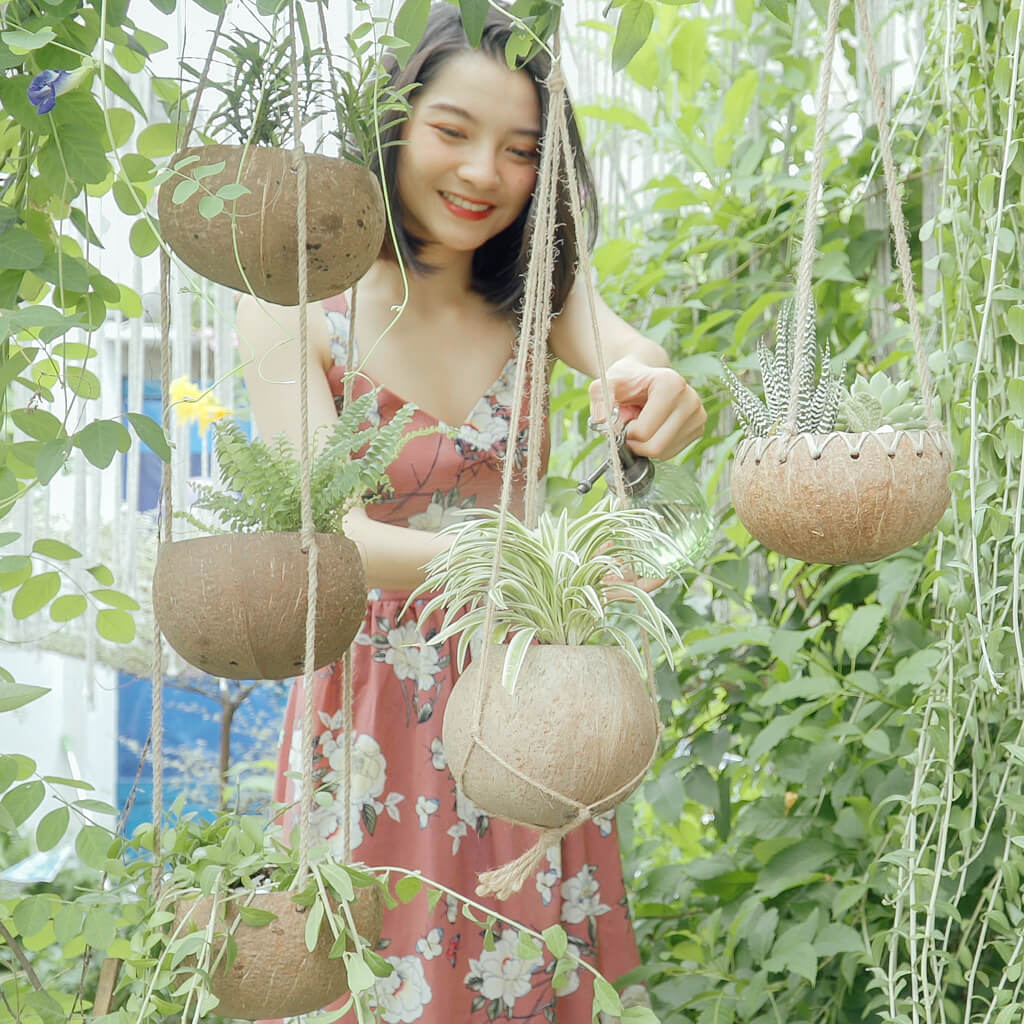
<point x="580" y="721"/>
<point x="842" y="497"/>
<point x="252" y="245"/>
<point x="273" y="974"/>
<point x="234" y="605"/>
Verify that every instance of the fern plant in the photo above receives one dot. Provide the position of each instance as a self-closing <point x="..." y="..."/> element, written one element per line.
<point x="261" y="483"/>
<point x="819" y="392"/>
<point x="555" y="585"/>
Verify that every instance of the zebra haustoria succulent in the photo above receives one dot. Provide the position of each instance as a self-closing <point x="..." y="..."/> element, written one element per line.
<point x="819" y="391"/>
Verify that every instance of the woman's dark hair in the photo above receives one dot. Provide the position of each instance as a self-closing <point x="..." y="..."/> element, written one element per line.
<point x="499" y="265"/>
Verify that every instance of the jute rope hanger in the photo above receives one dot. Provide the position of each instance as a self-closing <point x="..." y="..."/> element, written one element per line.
<point x="557" y="159"/>
<point x="897" y="220"/>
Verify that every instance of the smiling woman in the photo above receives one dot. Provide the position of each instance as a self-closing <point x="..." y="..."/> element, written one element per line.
<point x="435" y="327"/>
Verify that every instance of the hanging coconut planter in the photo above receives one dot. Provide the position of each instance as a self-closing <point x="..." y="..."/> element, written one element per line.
<point x="842" y="497"/>
<point x="579" y="729"/>
<point x="273" y="974"/>
<point x="234" y="605"/>
<point x="251" y="245"/>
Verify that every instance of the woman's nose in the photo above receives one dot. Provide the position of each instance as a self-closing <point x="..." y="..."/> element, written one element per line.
<point x="480" y="168"/>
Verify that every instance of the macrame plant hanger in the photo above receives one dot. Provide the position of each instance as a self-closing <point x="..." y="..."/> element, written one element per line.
<point x="911" y="465"/>
<point x="308" y="531"/>
<point x="557" y="164"/>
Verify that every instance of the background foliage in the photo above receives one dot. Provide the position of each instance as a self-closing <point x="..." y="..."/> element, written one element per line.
<point x="832" y="831"/>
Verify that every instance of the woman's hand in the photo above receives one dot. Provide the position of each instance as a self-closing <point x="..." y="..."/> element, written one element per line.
<point x="664" y="412"/>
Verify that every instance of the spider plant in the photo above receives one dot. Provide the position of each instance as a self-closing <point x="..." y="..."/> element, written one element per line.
<point x="556" y="583"/>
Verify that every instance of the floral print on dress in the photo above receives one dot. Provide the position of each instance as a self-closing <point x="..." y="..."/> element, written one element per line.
<point x="405" y="809"/>
<point x="502" y="976"/>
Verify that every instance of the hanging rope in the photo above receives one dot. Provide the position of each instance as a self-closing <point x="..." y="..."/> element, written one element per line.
<point x="531" y="363"/>
<point x="899" y="223"/>
<point x="308" y="534"/>
<point x="896" y="217"/>
<point x="807" y="247"/>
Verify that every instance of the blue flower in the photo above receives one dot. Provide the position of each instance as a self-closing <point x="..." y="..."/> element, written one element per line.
<point x="44" y="89"/>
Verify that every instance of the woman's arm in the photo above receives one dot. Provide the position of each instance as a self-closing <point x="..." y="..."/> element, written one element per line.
<point x="666" y="413"/>
<point x="268" y="338"/>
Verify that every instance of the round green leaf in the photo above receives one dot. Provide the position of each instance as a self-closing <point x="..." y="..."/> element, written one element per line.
<point x="101" y="440"/>
<point x="142" y="238"/>
<point x="185" y="190"/>
<point x="21" y="250"/>
<point x="21" y="801"/>
<point x="35" y="594"/>
<point x="158" y="140"/>
<point x="150" y="433"/>
<point x="67" y="922"/>
<point x="32" y="914"/>
<point x="50" y="548"/>
<point x="92" y="846"/>
<point x="210" y="206"/>
<point x="68" y="607"/>
<point x="52" y="828"/>
<point x="115" y="625"/>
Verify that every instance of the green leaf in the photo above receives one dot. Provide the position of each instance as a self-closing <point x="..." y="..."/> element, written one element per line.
<point x="116" y="599"/>
<point x="21" y="250"/>
<point x="157" y="140"/>
<point x="606" y="999"/>
<point x="635" y="23"/>
<point x="360" y="977"/>
<point x="210" y="206"/>
<point x="614" y="113"/>
<point x="51" y="459"/>
<point x="860" y="628"/>
<point x="52" y="828"/>
<point x="38" y="423"/>
<point x="407" y="888"/>
<point x="22" y="801"/>
<point x="49" y="548"/>
<point x="35" y="594"/>
<point x="409" y="24"/>
<point x="232" y="190"/>
<point x="142" y="238"/>
<point x="314" y="919"/>
<point x="101" y="574"/>
<point x="83" y="155"/>
<point x="255" y="917"/>
<point x="474" y="17"/>
<point x="22" y="41"/>
<point x="68" y="607"/>
<point x="32" y="914"/>
<point x="556" y="940"/>
<point x="184" y="191"/>
<point x="93" y="845"/>
<point x="115" y="625"/>
<point x="16" y="695"/>
<point x="101" y="440"/>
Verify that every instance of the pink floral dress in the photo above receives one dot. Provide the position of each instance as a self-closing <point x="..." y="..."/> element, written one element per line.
<point x="404" y="808"/>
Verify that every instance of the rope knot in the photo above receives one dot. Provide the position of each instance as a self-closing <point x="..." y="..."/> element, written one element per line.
<point x="555" y="80"/>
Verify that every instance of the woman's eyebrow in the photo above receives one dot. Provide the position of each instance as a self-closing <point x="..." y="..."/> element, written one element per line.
<point x="454" y="108"/>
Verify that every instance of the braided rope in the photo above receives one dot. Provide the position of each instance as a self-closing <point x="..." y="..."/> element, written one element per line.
<point x="535" y="327"/>
<point x="896" y="217"/>
<point x="806" y="266"/>
<point x="308" y="534"/>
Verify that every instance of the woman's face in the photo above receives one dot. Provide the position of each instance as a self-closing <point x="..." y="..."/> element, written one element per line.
<point x="468" y="163"/>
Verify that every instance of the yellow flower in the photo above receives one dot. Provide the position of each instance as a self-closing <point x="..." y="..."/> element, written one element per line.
<point x="191" y="404"/>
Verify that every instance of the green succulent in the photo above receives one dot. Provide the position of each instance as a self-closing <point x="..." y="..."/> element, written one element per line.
<point x="819" y="391"/>
<point x="876" y="401"/>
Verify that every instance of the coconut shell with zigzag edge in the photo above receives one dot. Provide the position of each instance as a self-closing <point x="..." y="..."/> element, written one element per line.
<point x="273" y="974"/>
<point x="234" y="605"/>
<point x="842" y="497"/>
<point x="344" y="215"/>
<point x="581" y="721"/>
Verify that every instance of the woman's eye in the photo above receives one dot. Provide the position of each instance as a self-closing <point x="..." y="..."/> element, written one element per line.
<point x="451" y="133"/>
<point x="524" y="154"/>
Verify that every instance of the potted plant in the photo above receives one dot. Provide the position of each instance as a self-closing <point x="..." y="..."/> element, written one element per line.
<point x="566" y="717"/>
<point x="228" y="207"/>
<point x="234" y="604"/>
<point x="226" y="925"/>
<point x="862" y="477"/>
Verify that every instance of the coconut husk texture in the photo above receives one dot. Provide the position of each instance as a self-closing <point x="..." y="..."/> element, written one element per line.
<point x="841" y="497"/>
<point x="234" y="605"/>
<point x="273" y="974"/>
<point x="344" y="215"/>
<point x="581" y="721"/>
